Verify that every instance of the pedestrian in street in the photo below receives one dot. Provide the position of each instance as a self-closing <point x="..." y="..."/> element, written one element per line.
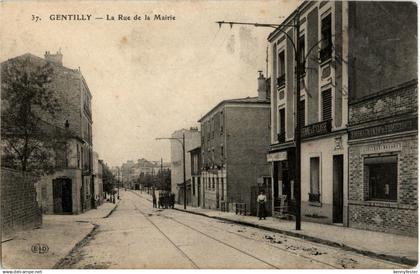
<point x="261" y="201"/>
<point x="160" y="200"/>
<point x="172" y="200"/>
<point x="167" y="199"/>
<point x="154" y="200"/>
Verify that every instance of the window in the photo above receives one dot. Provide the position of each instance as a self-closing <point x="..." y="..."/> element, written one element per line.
<point x="222" y="120"/>
<point x="193" y="186"/>
<point x="302" y="113"/>
<point x="381" y="176"/>
<point x="78" y="156"/>
<point x="314" y="179"/>
<point x="326" y="39"/>
<point x="282" y="128"/>
<point x="326" y="105"/>
<point x="223" y="188"/>
<point x="213" y="186"/>
<point x="212" y="127"/>
<point x="281" y="80"/>
<point x="301" y="45"/>
<point x="222" y="153"/>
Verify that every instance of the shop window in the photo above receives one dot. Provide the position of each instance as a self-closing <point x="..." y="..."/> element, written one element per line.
<point x="381" y="177"/>
<point x="314" y="179"/>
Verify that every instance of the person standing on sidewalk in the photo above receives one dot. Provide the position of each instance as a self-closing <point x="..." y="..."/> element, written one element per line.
<point x="154" y="200"/>
<point x="261" y="200"/>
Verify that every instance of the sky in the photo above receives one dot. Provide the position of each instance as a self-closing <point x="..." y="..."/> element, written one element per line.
<point x="148" y="78"/>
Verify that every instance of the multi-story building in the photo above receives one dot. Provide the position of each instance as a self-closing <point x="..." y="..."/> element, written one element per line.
<point x="343" y="58"/>
<point x="97" y="190"/>
<point x="192" y="140"/>
<point x="234" y="140"/>
<point x="322" y="107"/>
<point x="383" y="110"/>
<point x="196" y="193"/>
<point x="68" y="188"/>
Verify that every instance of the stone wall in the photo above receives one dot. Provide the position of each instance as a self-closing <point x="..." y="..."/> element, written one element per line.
<point x="19" y="206"/>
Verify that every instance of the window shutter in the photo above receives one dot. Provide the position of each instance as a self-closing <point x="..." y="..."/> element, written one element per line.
<point x="326" y="105"/>
<point x="302" y="113"/>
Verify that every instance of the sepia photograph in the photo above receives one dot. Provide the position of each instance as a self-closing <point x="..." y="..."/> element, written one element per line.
<point x="204" y="134"/>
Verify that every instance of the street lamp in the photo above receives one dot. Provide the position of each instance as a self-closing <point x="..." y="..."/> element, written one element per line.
<point x="182" y="142"/>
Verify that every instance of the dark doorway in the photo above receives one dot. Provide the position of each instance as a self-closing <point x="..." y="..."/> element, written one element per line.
<point x="62" y="195"/>
<point x="338" y="189"/>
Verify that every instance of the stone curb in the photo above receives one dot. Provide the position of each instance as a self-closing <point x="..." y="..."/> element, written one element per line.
<point x="391" y="258"/>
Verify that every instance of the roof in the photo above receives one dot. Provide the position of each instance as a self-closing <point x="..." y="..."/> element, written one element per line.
<point x="246" y="100"/>
<point x="57" y="66"/>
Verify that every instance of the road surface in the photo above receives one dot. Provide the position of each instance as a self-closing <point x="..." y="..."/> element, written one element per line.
<point x="137" y="236"/>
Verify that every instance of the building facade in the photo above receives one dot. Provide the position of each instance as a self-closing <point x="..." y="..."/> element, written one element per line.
<point x="234" y="139"/>
<point x="322" y="109"/>
<point x="68" y="189"/>
<point x="97" y="190"/>
<point x="355" y="120"/>
<point x="192" y="140"/>
<point x="383" y="111"/>
<point x="196" y="188"/>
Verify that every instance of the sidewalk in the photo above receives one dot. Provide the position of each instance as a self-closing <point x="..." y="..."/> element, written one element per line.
<point x="60" y="233"/>
<point x="396" y="248"/>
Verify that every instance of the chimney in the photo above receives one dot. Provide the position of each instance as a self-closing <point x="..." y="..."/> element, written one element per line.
<point x="262" y="86"/>
<point x="55" y="58"/>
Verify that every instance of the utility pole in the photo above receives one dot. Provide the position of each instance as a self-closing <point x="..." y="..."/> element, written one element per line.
<point x="298" y="125"/>
<point x="296" y="48"/>
<point x="161" y="170"/>
<point x="183" y="161"/>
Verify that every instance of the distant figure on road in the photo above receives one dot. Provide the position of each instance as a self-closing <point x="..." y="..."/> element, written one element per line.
<point x="154" y="200"/>
<point x="172" y="195"/>
<point x="261" y="200"/>
<point x="160" y="201"/>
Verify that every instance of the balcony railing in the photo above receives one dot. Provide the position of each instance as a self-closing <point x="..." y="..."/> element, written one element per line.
<point x="325" y="53"/>
<point x="281" y="81"/>
<point x="314" y="197"/>
<point x="317" y="129"/>
<point x="281" y="137"/>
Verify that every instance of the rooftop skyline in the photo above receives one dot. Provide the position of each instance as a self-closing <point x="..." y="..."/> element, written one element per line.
<point x="149" y="79"/>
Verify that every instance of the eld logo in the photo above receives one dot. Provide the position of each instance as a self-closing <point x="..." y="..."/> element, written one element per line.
<point x="40" y="248"/>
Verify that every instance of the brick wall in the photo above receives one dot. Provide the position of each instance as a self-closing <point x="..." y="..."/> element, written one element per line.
<point x="399" y="216"/>
<point x="19" y="208"/>
<point x="396" y="101"/>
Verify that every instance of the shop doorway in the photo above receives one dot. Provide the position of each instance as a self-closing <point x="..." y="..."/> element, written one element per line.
<point x="338" y="189"/>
